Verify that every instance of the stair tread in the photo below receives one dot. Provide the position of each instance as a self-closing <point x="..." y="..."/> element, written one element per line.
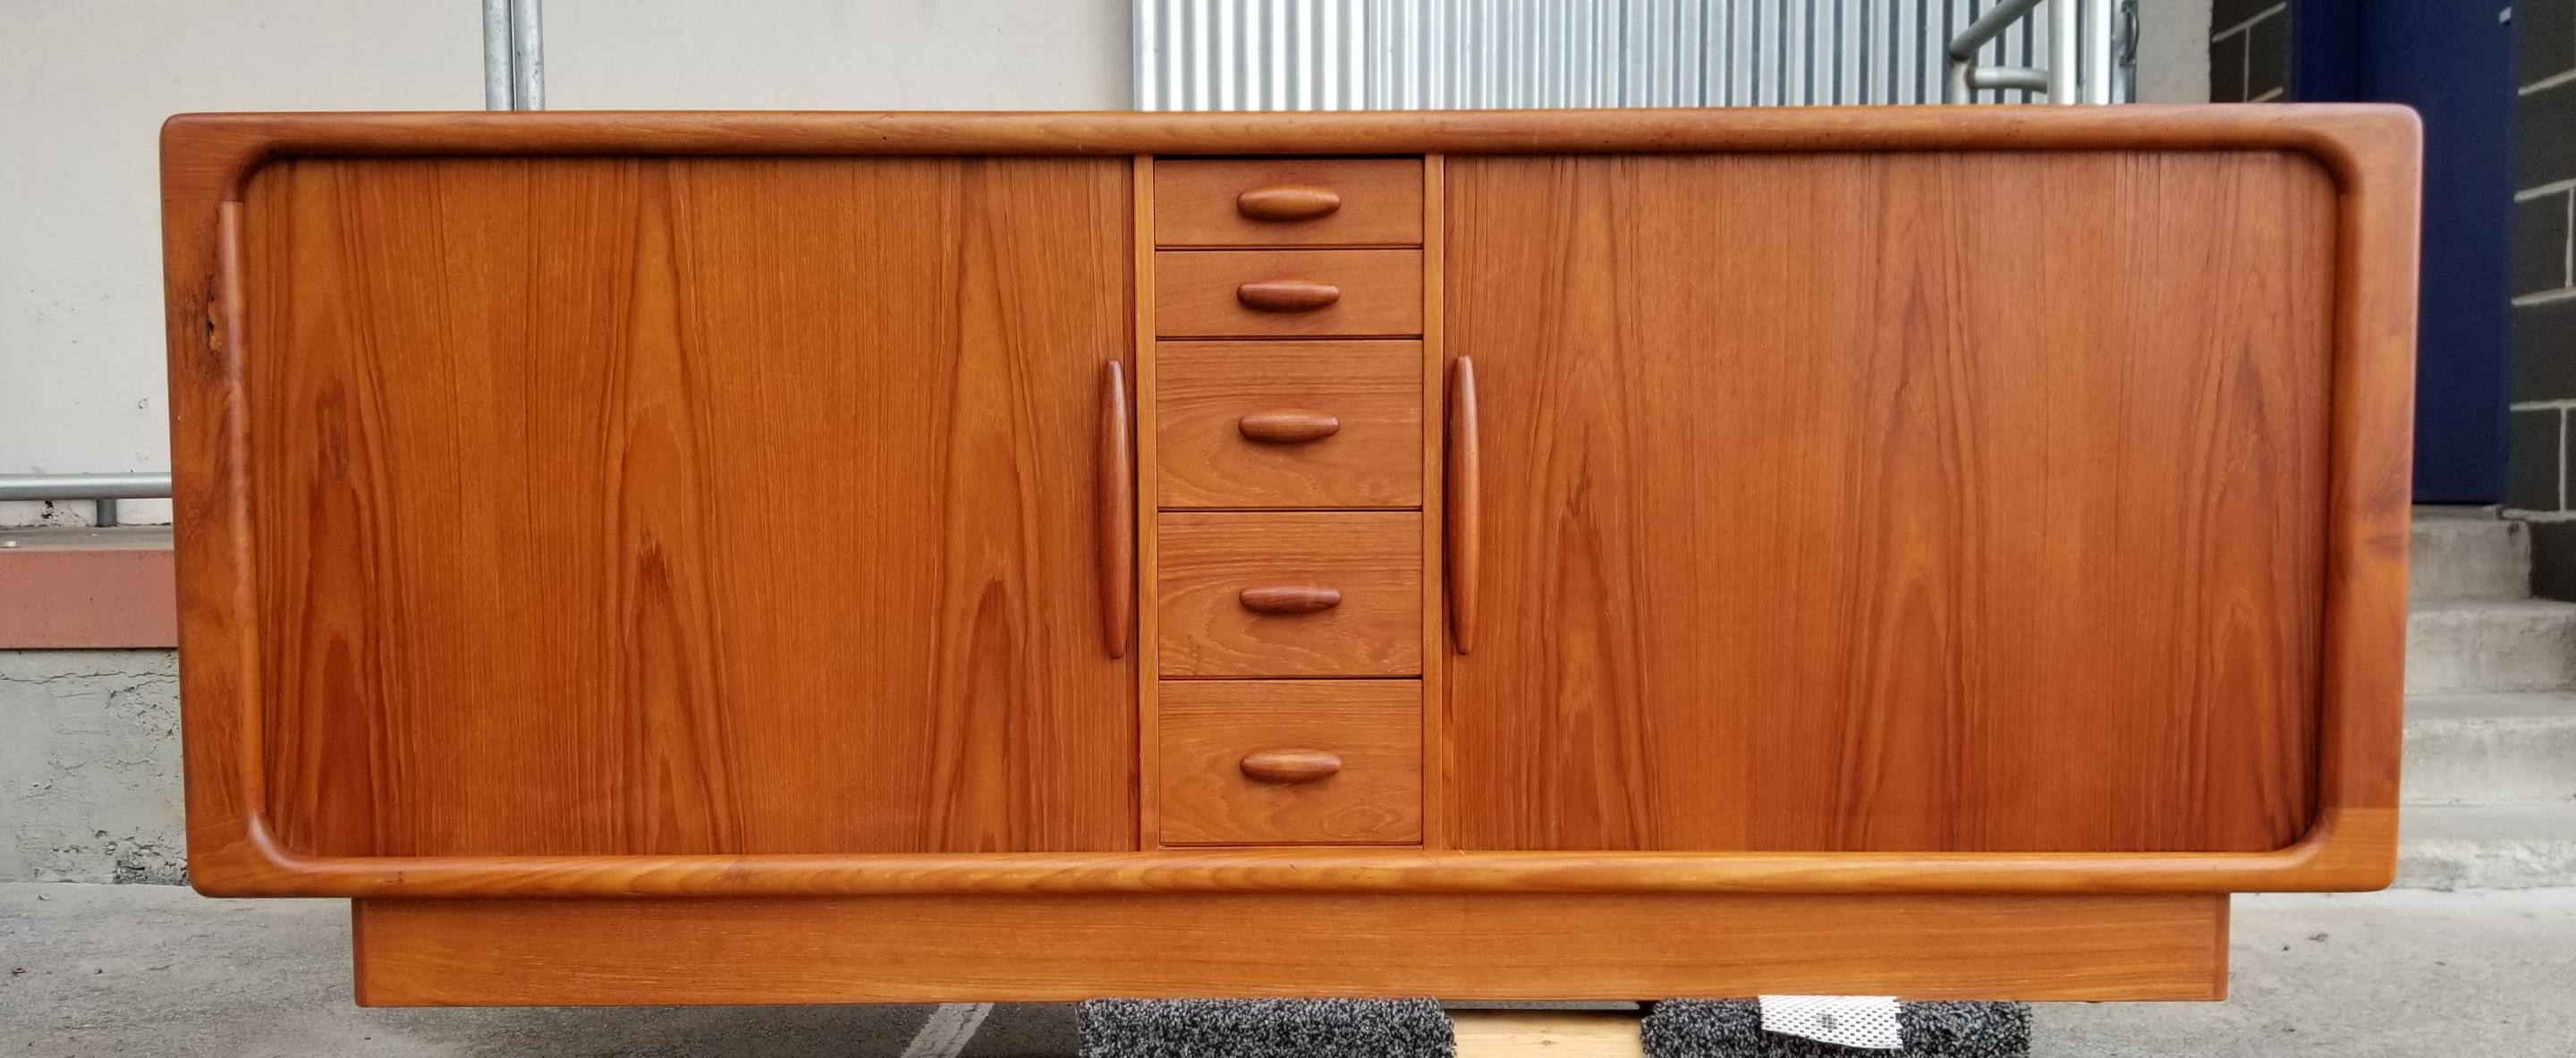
<point x="2497" y="706"/>
<point x="2498" y="607"/>
<point x="2507" y="821"/>
<point x="2449" y="514"/>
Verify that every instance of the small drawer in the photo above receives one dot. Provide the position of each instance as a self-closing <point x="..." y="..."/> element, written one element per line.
<point x="1307" y="762"/>
<point x="1289" y="593"/>
<point x="1288" y="424"/>
<point x="1288" y="202"/>
<point x="1287" y="293"/>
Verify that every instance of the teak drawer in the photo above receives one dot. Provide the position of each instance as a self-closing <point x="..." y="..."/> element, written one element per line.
<point x="1289" y="424"/>
<point x="1287" y="293"/>
<point x="1288" y="202"/>
<point x="1250" y="762"/>
<point x="1290" y="593"/>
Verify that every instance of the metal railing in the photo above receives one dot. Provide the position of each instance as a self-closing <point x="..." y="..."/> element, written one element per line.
<point x="103" y="489"/>
<point x="1474" y="54"/>
<point x="2079" y="53"/>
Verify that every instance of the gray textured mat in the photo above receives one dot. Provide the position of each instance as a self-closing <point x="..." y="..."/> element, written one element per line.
<point x="1266" y="1028"/>
<point x="1732" y="1028"/>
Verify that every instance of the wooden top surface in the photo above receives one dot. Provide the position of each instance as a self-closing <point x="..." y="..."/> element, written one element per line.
<point x="208" y="155"/>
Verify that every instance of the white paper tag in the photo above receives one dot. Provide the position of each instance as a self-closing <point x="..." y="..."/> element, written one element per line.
<point x="1851" y="1021"/>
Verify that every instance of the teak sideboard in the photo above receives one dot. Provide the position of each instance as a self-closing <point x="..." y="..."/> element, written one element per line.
<point x="733" y="557"/>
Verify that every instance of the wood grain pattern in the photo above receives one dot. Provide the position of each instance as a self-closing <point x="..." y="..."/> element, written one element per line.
<point x="207" y="156"/>
<point x="1286" y="295"/>
<point x="1466" y="512"/>
<point x="1287" y="202"/>
<point x="1371" y="728"/>
<point x="1547" y="1033"/>
<point x="1117" y="512"/>
<point x="1376" y="293"/>
<point x="1288" y="426"/>
<point x="2353" y="856"/>
<point x="1059" y="948"/>
<point x="1373" y="558"/>
<point x="1830" y="536"/>
<point x="1435" y="574"/>
<point x="1289" y="598"/>
<point x="565" y="545"/>
<point x="1222" y="202"/>
<point x="1149" y="383"/>
<point x="1373" y="391"/>
<point x="1290" y="765"/>
<point x="2371" y="152"/>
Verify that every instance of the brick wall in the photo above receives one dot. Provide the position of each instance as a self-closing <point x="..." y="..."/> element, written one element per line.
<point x="2249" y="50"/>
<point x="2544" y="290"/>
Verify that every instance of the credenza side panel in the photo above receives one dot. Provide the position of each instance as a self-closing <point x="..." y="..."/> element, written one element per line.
<point x="662" y="505"/>
<point x="1944" y="501"/>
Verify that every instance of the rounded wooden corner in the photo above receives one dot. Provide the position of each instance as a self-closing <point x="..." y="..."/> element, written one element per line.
<point x="237" y="857"/>
<point x="211" y="156"/>
<point x="2348" y="850"/>
<point x="2362" y="146"/>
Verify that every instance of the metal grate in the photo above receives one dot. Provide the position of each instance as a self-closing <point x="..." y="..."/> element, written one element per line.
<point x="1476" y="54"/>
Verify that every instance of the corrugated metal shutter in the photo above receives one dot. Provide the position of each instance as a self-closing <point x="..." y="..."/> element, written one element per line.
<point x="1473" y="54"/>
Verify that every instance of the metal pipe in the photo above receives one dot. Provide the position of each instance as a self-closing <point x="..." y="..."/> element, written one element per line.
<point x="2061" y="51"/>
<point x="2021" y="77"/>
<point x="1960" y="79"/>
<point x="84" y="486"/>
<point x="2124" y="45"/>
<point x="496" y="54"/>
<point x="2097" y="52"/>
<point x="1987" y="27"/>
<point x="527" y="55"/>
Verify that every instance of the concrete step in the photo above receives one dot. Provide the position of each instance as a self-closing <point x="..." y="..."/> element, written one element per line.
<point x="2482" y="748"/>
<point x="2466" y="645"/>
<point x="2468" y="553"/>
<point x="2493" y="846"/>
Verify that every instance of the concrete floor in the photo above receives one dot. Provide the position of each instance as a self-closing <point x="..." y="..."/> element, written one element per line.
<point x="157" y="970"/>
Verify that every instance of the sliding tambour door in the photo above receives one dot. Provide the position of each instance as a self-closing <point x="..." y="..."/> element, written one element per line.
<point x="652" y="505"/>
<point x="1889" y="501"/>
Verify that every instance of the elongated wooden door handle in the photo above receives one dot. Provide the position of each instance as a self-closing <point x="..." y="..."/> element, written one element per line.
<point x="1288" y="202"/>
<point x="1289" y="427"/>
<point x="1291" y="765"/>
<point x="1466" y="505"/>
<point x="1290" y="598"/>
<point x="1287" y="295"/>
<point x="1116" y="485"/>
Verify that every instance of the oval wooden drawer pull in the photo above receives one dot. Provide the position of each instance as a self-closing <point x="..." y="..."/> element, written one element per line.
<point x="1290" y="202"/>
<point x="1289" y="427"/>
<point x="1291" y="765"/>
<point x="1291" y="598"/>
<point x="1287" y="295"/>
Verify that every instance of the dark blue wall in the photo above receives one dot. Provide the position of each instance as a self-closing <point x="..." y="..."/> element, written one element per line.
<point x="2453" y="61"/>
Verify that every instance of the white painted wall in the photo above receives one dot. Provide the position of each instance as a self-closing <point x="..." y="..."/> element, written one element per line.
<point x="2173" y="51"/>
<point x="84" y="85"/>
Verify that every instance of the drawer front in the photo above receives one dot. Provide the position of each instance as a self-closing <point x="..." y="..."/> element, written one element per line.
<point x="1290" y="593"/>
<point x="1251" y="762"/>
<point x="1290" y="293"/>
<point x="1289" y="424"/>
<point x="1288" y="202"/>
